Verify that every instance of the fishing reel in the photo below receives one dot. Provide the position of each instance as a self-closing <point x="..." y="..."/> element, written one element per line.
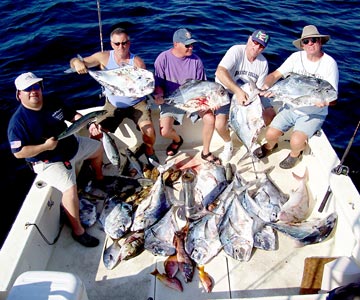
<point x="341" y="170"/>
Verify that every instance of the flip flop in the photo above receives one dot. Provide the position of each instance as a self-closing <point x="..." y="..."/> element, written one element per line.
<point x="174" y="147"/>
<point x="211" y="158"/>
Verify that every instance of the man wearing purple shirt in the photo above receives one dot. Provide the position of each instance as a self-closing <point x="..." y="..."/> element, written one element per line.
<point x="173" y="67"/>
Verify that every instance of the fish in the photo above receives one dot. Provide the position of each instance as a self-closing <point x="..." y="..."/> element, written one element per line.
<point x="154" y="206"/>
<point x="111" y="254"/>
<point x="185" y="263"/>
<point x="128" y="81"/>
<point x="210" y="182"/>
<point x="269" y="197"/>
<point x="247" y="121"/>
<point x="301" y="90"/>
<point x="171" y="266"/>
<point x="88" y="212"/>
<point x="296" y="209"/>
<point x="195" y="95"/>
<point x="116" y="217"/>
<point x="132" y="246"/>
<point x="111" y="149"/>
<point x="310" y="231"/>
<point x="202" y="241"/>
<point x="94" y="116"/>
<point x="135" y="166"/>
<point x="159" y="237"/>
<point x="205" y="279"/>
<point x="236" y="231"/>
<point x="172" y="283"/>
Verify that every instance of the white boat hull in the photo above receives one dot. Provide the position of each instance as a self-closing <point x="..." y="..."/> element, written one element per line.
<point x="270" y="274"/>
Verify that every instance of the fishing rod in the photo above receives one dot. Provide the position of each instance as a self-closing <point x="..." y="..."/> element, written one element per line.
<point x="100" y="25"/>
<point x="340" y="169"/>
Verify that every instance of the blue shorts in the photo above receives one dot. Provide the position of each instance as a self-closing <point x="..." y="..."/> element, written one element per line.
<point x="287" y="118"/>
<point x="225" y="110"/>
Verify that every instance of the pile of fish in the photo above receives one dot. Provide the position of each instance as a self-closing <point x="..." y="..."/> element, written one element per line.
<point x="211" y="214"/>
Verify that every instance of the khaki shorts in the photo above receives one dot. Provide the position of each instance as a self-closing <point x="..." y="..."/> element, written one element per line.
<point x="57" y="175"/>
<point x="138" y="113"/>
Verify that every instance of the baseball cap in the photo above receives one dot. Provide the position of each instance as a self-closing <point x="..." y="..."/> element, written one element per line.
<point x="25" y="80"/>
<point x="261" y="37"/>
<point x="183" y="35"/>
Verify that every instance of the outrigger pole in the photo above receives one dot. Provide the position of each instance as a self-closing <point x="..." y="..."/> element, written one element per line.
<point x="100" y="26"/>
<point x="340" y="169"/>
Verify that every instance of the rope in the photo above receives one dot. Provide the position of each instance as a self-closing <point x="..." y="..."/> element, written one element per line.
<point x="100" y="26"/>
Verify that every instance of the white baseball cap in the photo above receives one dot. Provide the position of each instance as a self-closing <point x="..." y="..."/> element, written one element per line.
<point x="25" y="80"/>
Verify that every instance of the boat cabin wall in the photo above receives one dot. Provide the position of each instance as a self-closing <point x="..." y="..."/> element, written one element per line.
<point x="25" y="249"/>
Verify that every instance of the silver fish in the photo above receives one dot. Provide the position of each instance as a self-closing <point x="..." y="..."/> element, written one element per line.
<point x="301" y="90"/>
<point x="111" y="150"/>
<point x="129" y="81"/>
<point x="134" y="164"/>
<point x="116" y="217"/>
<point x="159" y="237"/>
<point x="210" y="182"/>
<point x="82" y="122"/>
<point x="236" y="231"/>
<point x="202" y="241"/>
<point x="132" y="246"/>
<point x="308" y="232"/>
<point x="296" y="209"/>
<point x="87" y="211"/>
<point x="247" y="121"/>
<point x="196" y="95"/>
<point x="111" y="254"/>
<point x="154" y="206"/>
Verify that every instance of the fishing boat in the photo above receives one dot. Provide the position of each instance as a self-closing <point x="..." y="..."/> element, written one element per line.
<point x="32" y="264"/>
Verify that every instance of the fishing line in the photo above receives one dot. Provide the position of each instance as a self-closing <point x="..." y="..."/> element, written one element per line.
<point x="100" y="26"/>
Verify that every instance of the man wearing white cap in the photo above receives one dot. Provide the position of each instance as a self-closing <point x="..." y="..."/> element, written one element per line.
<point x="32" y="133"/>
<point x="309" y="61"/>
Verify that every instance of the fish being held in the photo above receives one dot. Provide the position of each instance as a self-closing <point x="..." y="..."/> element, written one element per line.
<point x="195" y="95"/>
<point x="128" y="81"/>
<point x="247" y="121"/>
<point x="301" y="90"/>
<point x="81" y="123"/>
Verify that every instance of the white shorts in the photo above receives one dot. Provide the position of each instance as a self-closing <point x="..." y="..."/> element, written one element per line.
<point x="57" y="175"/>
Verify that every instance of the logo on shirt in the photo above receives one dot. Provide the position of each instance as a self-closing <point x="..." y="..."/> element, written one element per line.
<point x="59" y="115"/>
<point x="15" y="144"/>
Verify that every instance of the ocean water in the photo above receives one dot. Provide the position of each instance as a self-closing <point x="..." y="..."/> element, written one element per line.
<point x="42" y="36"/>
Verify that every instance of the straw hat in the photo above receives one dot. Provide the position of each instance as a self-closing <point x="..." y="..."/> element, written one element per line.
<point x="310" y="31"/>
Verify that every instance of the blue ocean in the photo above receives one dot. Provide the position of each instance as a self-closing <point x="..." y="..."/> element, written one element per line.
<point x="42" y="36"/>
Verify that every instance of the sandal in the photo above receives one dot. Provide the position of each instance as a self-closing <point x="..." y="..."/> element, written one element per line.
<point x="261" y="152"/>
<point x="290" y="162"/>
<point x="174" y="147"/>
<point x="211" y="158"/>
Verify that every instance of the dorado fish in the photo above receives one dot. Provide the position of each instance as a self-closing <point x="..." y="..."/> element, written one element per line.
<point x="195" y="95"/>
<point x="301" y="90"/>
<point x="129" y="81"/>
<point x="132" y="246"/>
<point x="246" y="121"/>
<point x="81" y="123"/>
<point x="308" y="232"/>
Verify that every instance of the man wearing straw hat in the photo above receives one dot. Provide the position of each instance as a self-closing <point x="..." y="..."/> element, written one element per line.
<point x="311" y="60"/>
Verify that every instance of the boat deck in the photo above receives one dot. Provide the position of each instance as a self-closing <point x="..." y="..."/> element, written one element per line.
<point x="267" y="273"/>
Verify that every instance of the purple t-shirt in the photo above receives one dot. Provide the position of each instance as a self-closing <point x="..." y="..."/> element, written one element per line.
<point x="172" y="71"/>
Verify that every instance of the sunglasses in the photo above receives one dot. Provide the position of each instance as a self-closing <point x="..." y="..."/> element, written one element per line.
<point x="188" y="46"/>
<point x="257" y="44"/>
<point x="312" y="39"/>
<point x="121" y="43"/>
<point x="35" y="87"/>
